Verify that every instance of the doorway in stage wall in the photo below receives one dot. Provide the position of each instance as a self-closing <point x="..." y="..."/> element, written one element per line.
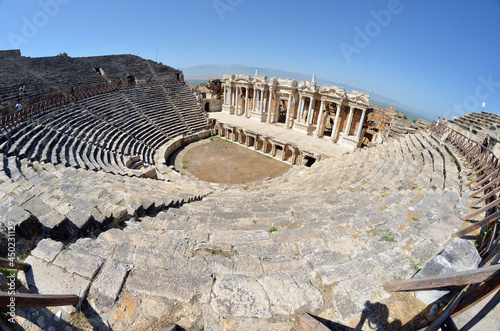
<point x="329" y="120"/>
<point x="282" y="112"/>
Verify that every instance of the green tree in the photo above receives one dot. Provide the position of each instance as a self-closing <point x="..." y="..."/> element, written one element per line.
<point x="63" y="54"/>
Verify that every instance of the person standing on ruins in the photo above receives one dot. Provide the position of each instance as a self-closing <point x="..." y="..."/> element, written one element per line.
<point x="21" y="93"/>
<point x="485" y="143"/>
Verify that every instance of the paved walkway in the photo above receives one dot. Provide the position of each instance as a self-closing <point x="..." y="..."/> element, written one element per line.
<point x="309" y="143"/>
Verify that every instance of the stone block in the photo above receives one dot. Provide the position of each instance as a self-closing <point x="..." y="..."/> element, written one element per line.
<point x="108" y="284"/>
<point x="424" y="252"/>
<point x="458" y="255"/>
<point x="239" y="237"/>
<point x="263" y="250"/>
<point x="240" y="296"/>
<point x="288" y="293"/>
<point x="394" y="264"/>
<point x="96" y="247"/>
<point x="46" y="278"/>
<point x="36" y="207"/>
<point x="350" y="296"/>
<point x="323" y="258"/>
<point x="126" y="310"/>
<point x="173" y="284"/>
<point x="243" y="265"/>
<point x="155" y="309"/>
<point x="295" y="235"/>
<point x="47" y="250"/>
<point x="334" y="273"/>
<point x="82" y="221"/>
<point x="56" y="225"/>
<point x="272" y="264"/>
<point x="124" y="252"/>
<point x="81" y="264"/>
<point x="26" y="224"/>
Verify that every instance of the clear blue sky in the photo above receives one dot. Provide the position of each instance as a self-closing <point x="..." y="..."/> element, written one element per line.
<point x="438" y="57"/>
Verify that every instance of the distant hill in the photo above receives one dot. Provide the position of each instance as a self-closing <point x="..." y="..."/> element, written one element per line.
<point x="204" y="72"/>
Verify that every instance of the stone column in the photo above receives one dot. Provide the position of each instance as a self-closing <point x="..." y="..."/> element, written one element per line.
<point x="246" y="102"/>
<point x="257" y="101"/>
<point x="360" y="127"/>
<point x="236" y="101"/>
<point x="312" y="104"/>
<point x="349" y="121"/>
<point x="261" y="101"/>
<point x="264" y="108"/>
<point x="319" y="126"/>
<point x="288" y="110"/>
<point x="336" y="123"/>
<point x="301" y="108"/>
<point x="254" y="98"/>
<point x="270" y="105"/>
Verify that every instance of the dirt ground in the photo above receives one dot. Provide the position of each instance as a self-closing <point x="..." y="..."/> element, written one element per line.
<point x="220" y="161"/>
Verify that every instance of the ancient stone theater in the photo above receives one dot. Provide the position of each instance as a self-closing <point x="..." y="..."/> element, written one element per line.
<point x="370" y="221"/>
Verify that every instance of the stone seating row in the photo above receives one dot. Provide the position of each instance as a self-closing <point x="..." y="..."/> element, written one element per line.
<point x="33" y="72"/>
<point x="60" y="202"/>
<point x="298" y="241"/>
<point x="47" y="143"/>
<point x="93" y="133"/>
<point x="486" y="116"/>
<point x="479" y="120"/>
<point x="164" y="115"/>
<point x="408" y="162"/>
<point x="47" y="75"/>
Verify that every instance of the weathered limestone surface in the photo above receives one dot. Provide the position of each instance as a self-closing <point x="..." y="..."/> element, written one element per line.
<point x="95" y="247"/>
<point x="45" y="278"/>
<point x="181" y="286"/>
<point x="74" y="262"/>
<point x="240" y="296"/>
<point x="324" y="240"/>
<point x="47" y="250"/>
<point x="459" y="255"/>
<point x="290" y="292"/>
<point x="108" y="284"/>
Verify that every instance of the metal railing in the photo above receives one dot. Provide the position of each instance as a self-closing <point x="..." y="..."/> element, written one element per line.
<point x="473" y="285"/>
<point x="14" y="118"/>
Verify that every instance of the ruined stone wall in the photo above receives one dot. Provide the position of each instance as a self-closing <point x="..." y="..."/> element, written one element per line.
<point x="10" y="53"/>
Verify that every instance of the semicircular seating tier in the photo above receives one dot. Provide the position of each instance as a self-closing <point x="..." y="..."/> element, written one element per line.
<point x="54" y="163"/>
<point x="321" y="239"/>
<point x="54" y="75"/>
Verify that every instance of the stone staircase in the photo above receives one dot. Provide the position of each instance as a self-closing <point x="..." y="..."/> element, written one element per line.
<point x="322" y="239"/>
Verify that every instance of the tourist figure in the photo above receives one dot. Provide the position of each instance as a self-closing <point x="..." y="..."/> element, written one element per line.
<point x="438" y="121"/>
<point x="485" y="143"/>
<point x="21" y="92"/>
<point x="19" y="107"/>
